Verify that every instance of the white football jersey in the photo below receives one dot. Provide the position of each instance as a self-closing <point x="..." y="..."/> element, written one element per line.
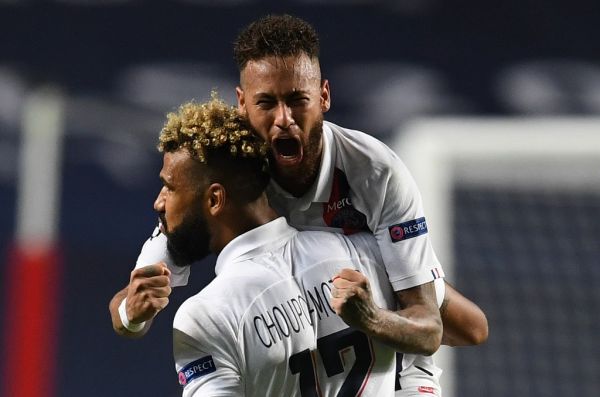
<point x="155" y="250"/>
<point x="363" y="186"/>
<point x="257" y="331"/>
<point x="346" y="362"/>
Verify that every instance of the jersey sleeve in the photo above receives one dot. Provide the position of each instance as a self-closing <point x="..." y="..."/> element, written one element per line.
<point x="155" y="250"/>
<point x="394" y="209"/>
<point x="205" y="352"/>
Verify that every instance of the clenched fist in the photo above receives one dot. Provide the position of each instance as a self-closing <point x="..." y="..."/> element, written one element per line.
<point x="352" y="299"/>
<point x="148" y="292"/>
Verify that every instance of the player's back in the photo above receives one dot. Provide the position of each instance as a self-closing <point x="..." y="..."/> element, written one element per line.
<point x="346" y="361"/>
<point x="236" y="336"/>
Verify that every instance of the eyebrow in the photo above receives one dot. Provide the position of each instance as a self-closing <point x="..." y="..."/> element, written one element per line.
<point x="298" y="93"/>
<point x="292" y="94"/>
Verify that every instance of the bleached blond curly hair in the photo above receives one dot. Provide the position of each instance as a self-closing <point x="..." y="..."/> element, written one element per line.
<point x="199" y="127"/>
<point x="217" y="136"/>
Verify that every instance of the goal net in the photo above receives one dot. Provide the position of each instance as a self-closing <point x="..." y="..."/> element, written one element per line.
<point x="513" y="208"/>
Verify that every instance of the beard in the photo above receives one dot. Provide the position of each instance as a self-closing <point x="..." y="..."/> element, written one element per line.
<point x="189" y="242"/>
<point x="312" y="154"/>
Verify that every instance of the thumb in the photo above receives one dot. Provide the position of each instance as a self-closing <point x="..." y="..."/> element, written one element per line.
<point x="158" y="269"/>
<point x="165" y="269"/>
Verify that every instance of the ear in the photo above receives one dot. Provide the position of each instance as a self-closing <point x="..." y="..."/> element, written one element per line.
<point x="215" y="199"/>
<point x="325" y="96"/>
<point x="241" y="100"/>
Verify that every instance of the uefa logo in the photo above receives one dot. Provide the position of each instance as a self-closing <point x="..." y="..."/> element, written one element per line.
<point x="182" y="380"/>
<point x="396" y="233"/>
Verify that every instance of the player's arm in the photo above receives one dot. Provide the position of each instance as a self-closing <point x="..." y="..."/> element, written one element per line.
<point x="465" y="323"/>
<point x="205" y="352"/>
<point x="133" y="308"/>
<point x="415" y="328"/>
<point x="202" y="374"/>
<point x="117" y="323"/>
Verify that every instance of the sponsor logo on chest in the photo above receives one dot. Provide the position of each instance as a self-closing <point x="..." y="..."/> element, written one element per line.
<point x="339" y="212"/>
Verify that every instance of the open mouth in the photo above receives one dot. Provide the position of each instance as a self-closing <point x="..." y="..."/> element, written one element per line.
<point x="287" y="149"/>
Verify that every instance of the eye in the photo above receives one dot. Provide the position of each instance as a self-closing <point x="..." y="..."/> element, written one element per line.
<point x="265" y="103"/>
<point x="299" y="101"/>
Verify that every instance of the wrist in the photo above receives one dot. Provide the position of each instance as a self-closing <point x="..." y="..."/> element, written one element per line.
<point x="128" y="325"/>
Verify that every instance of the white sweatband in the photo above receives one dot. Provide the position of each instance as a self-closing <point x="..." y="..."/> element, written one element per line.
<point x="131" y="327"/>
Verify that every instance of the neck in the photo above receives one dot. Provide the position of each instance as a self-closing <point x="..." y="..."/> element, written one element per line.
<point x="243" y="219"/>
<point x="296" y="184"/>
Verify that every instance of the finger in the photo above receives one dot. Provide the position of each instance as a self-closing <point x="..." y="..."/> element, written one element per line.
<point x="152" y="282"/>
<point x="334" y="292"/>
<point x="157" y="281"/>
<point x="337" y="305"/>
<point x="343" y="294"/>
<point x="141" y="285"/>
<point x="166" y="271"/>
<point x="351" y="274"/>
<point x="342" y="283"/>
<point x="149" y="294"/>
<point x="149" y="271"/>
<point x="161" y="303"/>
<point x="159" y="292"/>
<point x="145" y="310"/>
<point x="347" y="274"/>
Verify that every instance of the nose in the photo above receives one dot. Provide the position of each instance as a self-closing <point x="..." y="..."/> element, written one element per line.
<point x="159" y="203"/>
<point x="283" y="116"/>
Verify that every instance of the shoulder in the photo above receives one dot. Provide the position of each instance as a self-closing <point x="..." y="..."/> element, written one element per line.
<point x="337" y="245"/>
<point x="197" y="313"/>
<point x="227" y="298"/>
<point x="360" y="154"/>
<point x="368" y="164"/>
<point x="346" y="139"/>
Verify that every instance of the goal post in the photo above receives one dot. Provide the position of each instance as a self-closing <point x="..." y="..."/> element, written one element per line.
<point x="32" y="295"/>
<point x="520" y="168"/>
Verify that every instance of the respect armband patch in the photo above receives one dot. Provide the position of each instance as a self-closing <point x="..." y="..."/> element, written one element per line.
<point x="196" y="369"/>
<point x="406" y="230"/>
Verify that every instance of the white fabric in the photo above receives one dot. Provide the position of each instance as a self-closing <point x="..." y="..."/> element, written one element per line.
<point x="259" y="325"/>
<point x="381" y="193"/>
<point x="131" y="327"/>
<point x="380" y="188"/>
<point x="155" y="250"/>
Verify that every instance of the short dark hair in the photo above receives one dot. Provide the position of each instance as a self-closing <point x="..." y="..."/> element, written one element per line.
<point x="221" y="142"/>
<point x="275" y="35"/>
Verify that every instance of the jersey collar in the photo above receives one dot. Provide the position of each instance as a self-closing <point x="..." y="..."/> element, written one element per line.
<point x="321" y="189"/>
<point x="257" y="241"/>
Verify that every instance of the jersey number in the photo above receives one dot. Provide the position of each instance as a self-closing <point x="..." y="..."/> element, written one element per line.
<point x="330" y="348"/>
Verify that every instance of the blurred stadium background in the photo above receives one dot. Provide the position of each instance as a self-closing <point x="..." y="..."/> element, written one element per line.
<point x="526" y="251"/>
